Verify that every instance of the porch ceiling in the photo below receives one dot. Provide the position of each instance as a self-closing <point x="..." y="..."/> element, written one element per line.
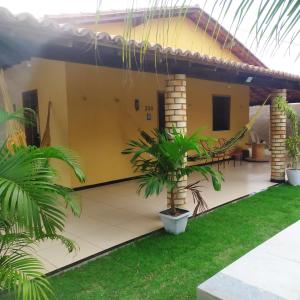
<point x="259" y="93"/>
<point x="23" y="37"/>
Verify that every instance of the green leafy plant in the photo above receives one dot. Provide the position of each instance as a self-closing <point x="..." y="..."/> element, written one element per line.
<point x="21" y="273"/>
<point x="161" y="159"/>
<point x="292" y="141"/>
<point x="32" y="209"/>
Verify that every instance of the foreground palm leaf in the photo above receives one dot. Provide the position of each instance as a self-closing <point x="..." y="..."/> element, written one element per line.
<point x="31" y="210"/>
<point x="18" y="266"/>
<point x="20" y="272"/>
<point x="272" y="24"/>
<point x="161" y="157"/>
<point x="16" y="116"/>
<point x="26" y="271"/>
<point x="28" y="190"/>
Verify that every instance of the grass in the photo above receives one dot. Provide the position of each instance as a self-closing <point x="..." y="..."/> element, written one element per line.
<point x="170" y="267"/>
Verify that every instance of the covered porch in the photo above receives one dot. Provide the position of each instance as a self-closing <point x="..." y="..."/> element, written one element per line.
<point x="101" y="100"/>
<point x="115" y="214"/>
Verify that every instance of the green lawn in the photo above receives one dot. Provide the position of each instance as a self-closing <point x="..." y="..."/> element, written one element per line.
<point x="170" y="267"/>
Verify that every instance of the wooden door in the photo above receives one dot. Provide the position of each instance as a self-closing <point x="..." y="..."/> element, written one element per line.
<point x="30" y="100"/>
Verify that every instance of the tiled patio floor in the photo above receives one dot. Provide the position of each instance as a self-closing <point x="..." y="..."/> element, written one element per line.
<point x="114" y="214"/>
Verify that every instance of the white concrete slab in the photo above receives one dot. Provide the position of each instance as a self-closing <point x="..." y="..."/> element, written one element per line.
<point x="270" y="271"/>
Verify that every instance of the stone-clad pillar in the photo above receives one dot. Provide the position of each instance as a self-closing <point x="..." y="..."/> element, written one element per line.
<point x="278" y="137"/>
<point x="175" y="102"/>
<point x="175" y="116"/>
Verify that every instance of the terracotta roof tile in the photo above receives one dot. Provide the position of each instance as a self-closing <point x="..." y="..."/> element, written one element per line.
<point x="106" y="39"/>
<point x="194" y="13"/>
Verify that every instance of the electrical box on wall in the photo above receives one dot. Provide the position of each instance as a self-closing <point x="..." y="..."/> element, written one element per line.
<point x="148" y="110"/>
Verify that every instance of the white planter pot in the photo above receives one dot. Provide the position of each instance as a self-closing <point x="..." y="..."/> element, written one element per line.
<point x="293" y="176"/>
<point x="175" y="224"/>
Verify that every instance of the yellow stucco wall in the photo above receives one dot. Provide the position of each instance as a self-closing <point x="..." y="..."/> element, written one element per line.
<point x="199" y="107"/>
<point x="115" y="28"/>
<point x="102" y="117"/>
<point x="49" y="78"/>
<point x="93" y="110"/>
<point x="174" y="32"/>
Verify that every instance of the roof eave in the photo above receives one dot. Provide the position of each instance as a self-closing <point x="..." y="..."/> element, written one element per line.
<point x="206" y="22"/>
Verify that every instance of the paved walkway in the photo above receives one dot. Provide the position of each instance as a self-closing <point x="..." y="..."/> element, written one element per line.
<point x="271" y="271"/>
<point x="114" y="214"/>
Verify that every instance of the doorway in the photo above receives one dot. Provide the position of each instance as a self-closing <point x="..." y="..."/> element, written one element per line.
<point x="161" y="110"/>
<point x="32" y="132"/>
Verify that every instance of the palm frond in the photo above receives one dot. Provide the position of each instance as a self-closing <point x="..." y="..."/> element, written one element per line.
<point x="31" y="210"/>
<point x="201" y="205"/>
<point x="64" y="155"/>
<point x="293" y="141"/>
<point x="272" y="24"/>
<point x="151" y="183"/>
<point x="161" y="159"/>
<point x="206" y="172"/>
<point x="29" y="191"/>
<point x="22" y="274"/>
<point x="24" y="115"/>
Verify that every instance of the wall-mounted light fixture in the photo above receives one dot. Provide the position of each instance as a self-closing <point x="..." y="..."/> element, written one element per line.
<point x="249" y="79"/>
<point x="137" y="104"/>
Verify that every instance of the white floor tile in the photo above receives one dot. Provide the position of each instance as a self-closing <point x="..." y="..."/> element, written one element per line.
<point x="115" y="213"/>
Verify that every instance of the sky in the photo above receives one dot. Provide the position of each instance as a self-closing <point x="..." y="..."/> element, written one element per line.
<point x="282" y="60"/>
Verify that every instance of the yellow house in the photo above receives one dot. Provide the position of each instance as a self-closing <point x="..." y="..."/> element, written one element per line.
<point x="102" y="92"/>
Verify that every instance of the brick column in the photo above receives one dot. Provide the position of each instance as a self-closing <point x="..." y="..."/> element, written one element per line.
<point x="175" y="116"/>
<point x="278" y="137"/>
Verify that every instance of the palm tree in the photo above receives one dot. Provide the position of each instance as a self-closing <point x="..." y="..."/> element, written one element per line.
<point x="31" y="210"/>
<point x="160" y="159"/>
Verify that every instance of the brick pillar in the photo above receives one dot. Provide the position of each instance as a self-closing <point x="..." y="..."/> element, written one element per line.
<point x="175" y="116"/>
<point x="278" y="137"/>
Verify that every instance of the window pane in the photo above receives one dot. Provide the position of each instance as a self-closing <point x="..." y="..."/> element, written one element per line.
<point x="221" y="113"/>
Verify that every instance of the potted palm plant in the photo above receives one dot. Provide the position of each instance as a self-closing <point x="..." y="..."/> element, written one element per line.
<point x="292" y="142"/>
<point x="161" y="159"/>
<point x="293" y="172"/>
